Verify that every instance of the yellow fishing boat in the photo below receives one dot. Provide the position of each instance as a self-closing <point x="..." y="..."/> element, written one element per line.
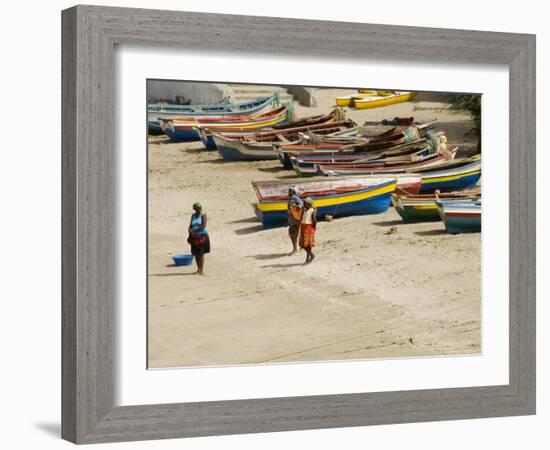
<point x="344" y="101"/>
<point x="376" y="101"/>
<point x="347" y="100"/>
<point x="373" y="92"/>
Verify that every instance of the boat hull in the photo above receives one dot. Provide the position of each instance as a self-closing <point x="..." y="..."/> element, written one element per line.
<point x="189" y="129"/>
<point x="182" y="134"/>
<point x="383" y="101"/>
<point x="449" y="183"/>
<point x="239" y="151"/>
<point x="460" y="217"/>
<point x="374" y="200"/>
<point x="419" y="212"/>
<point x="216" y="110"/>
<point x="343" y="101"/>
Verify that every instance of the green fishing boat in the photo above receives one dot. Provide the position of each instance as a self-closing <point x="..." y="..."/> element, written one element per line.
<point x="423" y="207"/>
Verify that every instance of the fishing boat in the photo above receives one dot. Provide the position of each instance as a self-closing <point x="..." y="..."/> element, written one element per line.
<point x="358" y="197"/>
<point x="215" y="111"/>
<point x="319" y="124"/>
<point x="458" y="178"/>
<point x="306" y="165"/>
<point x="460" y="216"/>
<point x="393" y="139"/>
<point x="377" y="101"/>
<point x="261" y="147"/>
<point x="184" y="130"/>
<point x="348" y="100"/>
<point x="378" y="167"/>
<point x="269" y="190"/>
<point x="423" y="207"/>
<point x="343" y="101"/>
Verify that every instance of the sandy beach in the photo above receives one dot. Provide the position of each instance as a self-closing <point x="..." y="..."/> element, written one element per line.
<point x="370" y="293"/>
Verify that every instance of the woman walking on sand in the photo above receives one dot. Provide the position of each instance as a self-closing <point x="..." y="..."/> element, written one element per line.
<point x="294" y="211"/>
<point x="198" y="237"/>
<point x="308" y="225"/>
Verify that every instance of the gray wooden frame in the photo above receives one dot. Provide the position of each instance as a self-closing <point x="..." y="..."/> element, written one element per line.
<point x="89" y="36"/>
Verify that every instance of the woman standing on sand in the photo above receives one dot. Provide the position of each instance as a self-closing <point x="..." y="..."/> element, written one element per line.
<point x="294" y="211"/>
<point x="308" y="225"/>
<point x="198" y="237"/>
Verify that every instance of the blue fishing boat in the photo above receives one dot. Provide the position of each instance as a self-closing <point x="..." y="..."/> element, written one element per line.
<point x="460" y="216"/>
<point x="456" y="179"/>
<point x="213" y="111"/>
<point x="217" y="109"/>
<point x="185" y="130"/>
<point x="336" y="202"/>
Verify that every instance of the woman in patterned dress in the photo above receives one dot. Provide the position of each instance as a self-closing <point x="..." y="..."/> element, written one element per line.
<point x="308" y="225"/>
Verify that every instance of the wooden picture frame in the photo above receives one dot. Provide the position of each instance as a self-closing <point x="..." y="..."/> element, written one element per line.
<point x="89" y="35"/>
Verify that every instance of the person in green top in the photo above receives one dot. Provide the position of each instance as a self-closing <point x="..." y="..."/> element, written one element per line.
<point x="198" y="237"/>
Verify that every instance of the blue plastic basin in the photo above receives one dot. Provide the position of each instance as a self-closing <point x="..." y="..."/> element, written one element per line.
<point x="182" y="260"/>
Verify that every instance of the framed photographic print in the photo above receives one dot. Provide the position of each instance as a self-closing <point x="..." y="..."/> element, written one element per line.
<point x="265" y="234"/>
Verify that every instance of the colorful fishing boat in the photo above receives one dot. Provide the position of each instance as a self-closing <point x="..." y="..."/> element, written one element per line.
<point x="348" y="100"/>
<point x="423" y="207"/>
<point x="459" y="178"/>
<point x="278" y="189"/>
<point x="377" y="101"/>
<point x="340" y="201"/>
<point x="287" y="132"/>
<point x="262" y="149"/>
<point x="395" y="139"/>
<point x="460" y="216"/>
<point x="306" y="165"/>
<point x="214" y="111"/>
<point x="184" y="130"/>
<point x="378" y="167"/>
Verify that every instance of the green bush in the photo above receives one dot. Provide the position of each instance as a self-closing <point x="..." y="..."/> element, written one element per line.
<point x="470" y="103"/>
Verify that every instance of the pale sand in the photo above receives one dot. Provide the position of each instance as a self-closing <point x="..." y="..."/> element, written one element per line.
<point x="368" y="294"/>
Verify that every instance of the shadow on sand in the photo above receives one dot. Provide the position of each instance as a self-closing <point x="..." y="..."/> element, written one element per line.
<point x="269" y="256"/>
<point x="247" y="220"/>
<point x="172" y="274"/>
<point x="388" y="223"/>
<point x="180" y="274"/>
<point x="287" y="177"/>
<point x="249" y="230"/>
<point x="272" y="169"/>
<point x="430" y="232"/>
<point x="193" y="150"/>
<point x="281" y="266"/>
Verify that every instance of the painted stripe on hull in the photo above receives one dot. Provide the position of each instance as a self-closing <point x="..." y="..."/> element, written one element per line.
<point x="455" y="183"/>
<point x="371" y="201"/>
<point x="413" y="214"/>
<point x="460" y="217"/>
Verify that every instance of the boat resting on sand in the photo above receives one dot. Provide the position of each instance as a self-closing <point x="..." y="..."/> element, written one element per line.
<point x="348" y="100"/>
<point x="336" y="116"/>
<point x="370" y="197"/>
<point x="184" y="130"/>
<point x="455" y="179"/>
<point x="460" y="216"/>
<point x="305" y="165"/>
<point x="423" y="207"/>
<point x="215" y="110"/>
<point x="252" y="149"/>
<point x="244" y="149"/>
<point x="376" y="167"/>
<point x="377" y="101"/>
